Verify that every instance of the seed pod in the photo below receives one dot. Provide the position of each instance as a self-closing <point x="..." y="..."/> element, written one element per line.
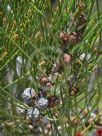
<point x="29" y="96"/>
<point x="52" y="101"/>
<point x="42" y="103"/>
<point x="43" y="80"/>
<point x="33" y="113"/>
<point x="29" y="93"/>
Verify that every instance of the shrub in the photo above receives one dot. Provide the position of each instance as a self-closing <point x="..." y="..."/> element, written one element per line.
<point x="50" y="67"/>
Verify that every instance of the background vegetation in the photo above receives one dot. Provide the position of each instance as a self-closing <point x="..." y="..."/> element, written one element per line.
<point x="34" y="35"/>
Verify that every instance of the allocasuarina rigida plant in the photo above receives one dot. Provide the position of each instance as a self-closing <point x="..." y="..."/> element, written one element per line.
<point x="50" y="68"/>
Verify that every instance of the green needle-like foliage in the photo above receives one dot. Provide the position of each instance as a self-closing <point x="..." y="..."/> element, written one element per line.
<point x="34" y="35"/>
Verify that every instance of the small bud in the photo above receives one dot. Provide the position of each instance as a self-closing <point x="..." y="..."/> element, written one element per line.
<point x="47" y="87"/>
<point x="82" y="56"/>
<point x="82" y="20"/>
<point x="15" y="36"/>
<point x="67" y="58"/>
<point x="91" y="120"/>
<point x="93" y="115"/>
<point x="74" y="120"/>
<point x="31" y="127"/>
<point x="88" y="56"/>
<point x="49" y="84"/>
<point x="64" y="36"/>
<point x="4" y="20"/>
<point x="8" y="8"/>
<point x="73" y="90"/>
<point x="75" y="38"/>
<point x="85" y="111"/>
